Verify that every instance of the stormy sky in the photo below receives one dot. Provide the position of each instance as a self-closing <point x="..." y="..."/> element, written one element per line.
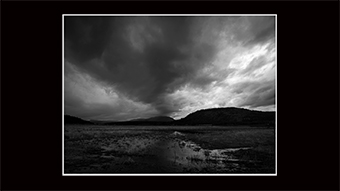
<point x="126" y="67"/>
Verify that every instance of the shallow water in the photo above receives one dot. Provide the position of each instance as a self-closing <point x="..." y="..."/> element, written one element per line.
<point x="140" y="151"/>
<point x="182" y="155"/>
<point x="191" y="157"/>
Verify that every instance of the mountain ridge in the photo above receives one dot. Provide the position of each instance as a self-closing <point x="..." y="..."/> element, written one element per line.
<point x="210" y="116"/>
<point x="156" y="118"/>
<point x="229" y="116"/>
<point x="68" y="119"/>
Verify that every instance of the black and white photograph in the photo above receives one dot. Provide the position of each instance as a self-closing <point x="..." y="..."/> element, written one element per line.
<point x="173" y="95"/>
<point x="169" y="95"/>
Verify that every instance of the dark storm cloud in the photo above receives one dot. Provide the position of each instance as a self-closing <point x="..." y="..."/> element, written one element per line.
<point x="262" y="28"/>
<point x="119" y="68"/>
<point x="264" y="95"/>
<point x="248" y="31"/>
<point x="88" y="98"/>
<point x="86" y="37"/>
<point x="255" y="30"/>
<point x="140" y="56"/>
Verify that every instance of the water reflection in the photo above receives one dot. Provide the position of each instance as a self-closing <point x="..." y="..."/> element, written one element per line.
<point x="174" y="153"/>
<point x="191" y="157"/>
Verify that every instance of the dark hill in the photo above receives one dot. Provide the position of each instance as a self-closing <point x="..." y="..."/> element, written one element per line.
<point x="156" y="119"/>
<point x="74" y="120"/>
<point x="229" y="116"/>
<point x="213" y="116"/>
<point x="159" y="120"/>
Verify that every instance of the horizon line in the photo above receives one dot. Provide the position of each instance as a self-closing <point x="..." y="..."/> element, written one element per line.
<point x="127" y="120"/>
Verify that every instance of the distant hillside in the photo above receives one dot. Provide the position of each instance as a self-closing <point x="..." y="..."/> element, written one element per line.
<point x="99" y="121"/>
<point x="214" y="116"/>
<point x="156" y="119"/>
<point x="159" y="120"/>
<point x="229" y="116"/>
<point x="74" y="120"/>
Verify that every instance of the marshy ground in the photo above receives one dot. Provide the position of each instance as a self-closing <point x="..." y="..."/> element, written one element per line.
<point x="168" y="149"/>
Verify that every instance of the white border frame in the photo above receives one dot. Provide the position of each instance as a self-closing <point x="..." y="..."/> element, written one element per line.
<point x="207" y="15"/>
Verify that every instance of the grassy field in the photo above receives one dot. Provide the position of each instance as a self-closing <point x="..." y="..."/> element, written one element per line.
<point x="168" y="149"/>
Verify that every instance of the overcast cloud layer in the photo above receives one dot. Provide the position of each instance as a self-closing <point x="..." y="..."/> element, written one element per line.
<point x="120" y="68"/>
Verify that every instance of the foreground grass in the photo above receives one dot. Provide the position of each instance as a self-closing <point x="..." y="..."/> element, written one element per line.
<point x="138" y="149"/>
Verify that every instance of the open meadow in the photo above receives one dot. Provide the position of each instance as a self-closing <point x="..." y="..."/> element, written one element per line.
<point x="100" y="149"/>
